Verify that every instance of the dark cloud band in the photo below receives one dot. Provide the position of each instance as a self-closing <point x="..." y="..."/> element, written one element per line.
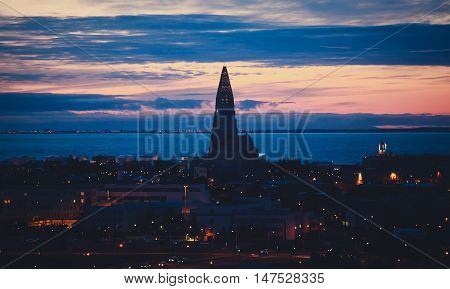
<point x="207" y="38"/>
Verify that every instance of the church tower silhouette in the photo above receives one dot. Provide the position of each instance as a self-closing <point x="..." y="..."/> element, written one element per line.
<point x="226" y="143"/>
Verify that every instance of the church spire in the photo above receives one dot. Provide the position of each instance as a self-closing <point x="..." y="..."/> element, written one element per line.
<point x="224" y="97"/>
<point x="226" y="144"/>
<point x="224" y="131"/>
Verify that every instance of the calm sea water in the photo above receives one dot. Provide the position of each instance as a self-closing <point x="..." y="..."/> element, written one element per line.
<point x="345" y="148"/>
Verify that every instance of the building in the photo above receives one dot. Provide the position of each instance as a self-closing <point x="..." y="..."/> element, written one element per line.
<point x="259" y="215"/>
<point x="125" y="217"/>
<point x="176" y="194"/>
<point x="382" y="148"/>
<point x="226" y="143"/>
<point x="405" y="169"/>
<point x="122" y="207"/>
<point x="40" y="206"/>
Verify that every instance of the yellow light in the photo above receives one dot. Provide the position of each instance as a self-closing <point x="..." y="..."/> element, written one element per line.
<point x="393" y="177"/>
<point x="359" y="180"/>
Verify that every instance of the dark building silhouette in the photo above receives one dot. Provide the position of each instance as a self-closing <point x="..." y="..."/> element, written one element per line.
<point x="226" y="143"/>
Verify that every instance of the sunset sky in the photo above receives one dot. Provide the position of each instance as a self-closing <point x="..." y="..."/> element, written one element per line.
<point x="73" y="59"/>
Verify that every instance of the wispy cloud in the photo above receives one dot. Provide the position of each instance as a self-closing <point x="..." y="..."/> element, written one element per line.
<point x="305" y="12"/>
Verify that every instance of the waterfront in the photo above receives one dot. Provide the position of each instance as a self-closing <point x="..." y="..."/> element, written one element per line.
<point x="345" y="148"/>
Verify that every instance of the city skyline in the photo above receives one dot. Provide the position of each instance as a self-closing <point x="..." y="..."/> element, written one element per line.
<point x="244" y="134"/>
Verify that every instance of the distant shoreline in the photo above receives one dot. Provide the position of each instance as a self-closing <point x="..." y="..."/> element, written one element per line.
<point x="370" y="130"/>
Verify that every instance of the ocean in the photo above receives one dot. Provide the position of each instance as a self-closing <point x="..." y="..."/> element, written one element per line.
<point x="341" y="148"/>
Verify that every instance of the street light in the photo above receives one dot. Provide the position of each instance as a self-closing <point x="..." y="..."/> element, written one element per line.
<point x="185" y="209"/>
<point x="235" y="239"/>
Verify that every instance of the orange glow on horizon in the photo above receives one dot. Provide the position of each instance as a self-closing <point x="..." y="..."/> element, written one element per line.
<point x="378" y="89"/>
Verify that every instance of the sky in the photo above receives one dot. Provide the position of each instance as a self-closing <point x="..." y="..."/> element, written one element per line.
<point x="97" y="64"/>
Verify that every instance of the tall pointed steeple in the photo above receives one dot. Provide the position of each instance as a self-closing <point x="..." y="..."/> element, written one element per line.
<point x="224" y="137"/>
<point x="226" y="144"/>
<point x="224" y="97"/>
